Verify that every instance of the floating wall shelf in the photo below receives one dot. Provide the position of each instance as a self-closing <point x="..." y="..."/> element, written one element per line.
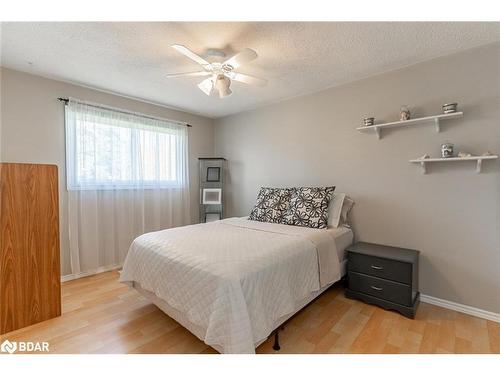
<point x="413" y="122"/>
<point x="477" y="159"/>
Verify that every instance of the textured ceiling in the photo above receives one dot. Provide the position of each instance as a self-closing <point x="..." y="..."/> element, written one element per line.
<point x="296" y="58"/>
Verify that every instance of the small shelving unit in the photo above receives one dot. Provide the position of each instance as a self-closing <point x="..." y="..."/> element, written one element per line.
<point x="477" y="159"/>
<point x="413" y="122"/>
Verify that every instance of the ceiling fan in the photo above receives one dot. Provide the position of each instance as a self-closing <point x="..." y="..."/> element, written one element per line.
<point x="221" y="73"/>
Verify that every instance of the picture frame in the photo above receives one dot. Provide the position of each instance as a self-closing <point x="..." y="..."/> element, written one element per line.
<point x="212" y="216"/>
<point x="212" y="196"/>
<point x="213" y="174"/>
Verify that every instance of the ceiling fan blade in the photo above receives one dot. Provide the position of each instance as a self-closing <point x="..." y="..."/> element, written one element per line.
<point x="245" y="78"/>
<point x="207" y="86"/>
<point x="241" y="58"/>
<point x="190" y="54"/>
<point x="189" y="74"/>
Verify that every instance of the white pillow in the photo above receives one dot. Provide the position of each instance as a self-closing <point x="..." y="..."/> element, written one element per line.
<point x="346" y="207"/>
<point x="338" y="209"/>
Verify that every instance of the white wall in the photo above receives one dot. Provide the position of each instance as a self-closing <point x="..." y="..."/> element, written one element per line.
<point x="451" y="214"/>
<point x="33" y="131"/>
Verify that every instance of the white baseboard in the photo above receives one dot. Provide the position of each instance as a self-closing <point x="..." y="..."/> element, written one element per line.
<point x="461" y="308"/>
<point x="79" y="275"/>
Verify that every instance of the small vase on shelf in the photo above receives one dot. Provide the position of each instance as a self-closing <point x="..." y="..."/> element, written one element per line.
<point x="447" y="150"/>
<point x="404" y="113"/>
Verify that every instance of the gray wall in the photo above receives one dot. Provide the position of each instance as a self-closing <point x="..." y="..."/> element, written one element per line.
<point x="451" y="214"/>
<point x="32" y="131"/>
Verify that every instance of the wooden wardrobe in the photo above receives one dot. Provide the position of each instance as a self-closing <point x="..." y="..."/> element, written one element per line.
<point x="30" y="281"/>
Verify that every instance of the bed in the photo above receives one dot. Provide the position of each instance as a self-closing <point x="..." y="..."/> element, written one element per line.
<point x="235" y="281"/>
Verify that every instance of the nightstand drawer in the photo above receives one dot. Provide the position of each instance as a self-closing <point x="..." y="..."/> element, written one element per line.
<point x="385" y="268"/>
<point x="380" y="288"/>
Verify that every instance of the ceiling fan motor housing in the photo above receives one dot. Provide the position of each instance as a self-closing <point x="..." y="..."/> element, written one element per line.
<point x="212" y="52"/>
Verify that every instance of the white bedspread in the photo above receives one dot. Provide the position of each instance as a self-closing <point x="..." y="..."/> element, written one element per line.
<point x="234" y="278"/>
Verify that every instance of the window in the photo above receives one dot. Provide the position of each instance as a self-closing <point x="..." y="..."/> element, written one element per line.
<point x="111" y="149"/>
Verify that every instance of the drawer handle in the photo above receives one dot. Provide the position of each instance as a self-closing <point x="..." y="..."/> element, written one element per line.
<point x="376" y="288"/>
<point x="377" y="267"/>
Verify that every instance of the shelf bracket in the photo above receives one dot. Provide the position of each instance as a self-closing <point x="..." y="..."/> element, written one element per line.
<point x="436" y="124"/>
<point x="422" y="167"/>
<point x="377" y="131"/>
<point x="478" y="165"/>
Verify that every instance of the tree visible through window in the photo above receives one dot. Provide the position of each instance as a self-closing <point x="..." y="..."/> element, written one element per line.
<point x="107" y="149"/>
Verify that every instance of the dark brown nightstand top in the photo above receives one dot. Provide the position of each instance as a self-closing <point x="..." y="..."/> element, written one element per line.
<point x="383" y="251"/>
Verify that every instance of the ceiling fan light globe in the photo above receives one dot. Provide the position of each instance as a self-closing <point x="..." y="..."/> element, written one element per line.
<point x="225" y="92"/>
<point x="222" y="84"/>
<point x="207" y="86"/>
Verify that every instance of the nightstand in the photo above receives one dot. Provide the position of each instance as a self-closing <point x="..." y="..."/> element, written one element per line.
<point x="384" y="276"/>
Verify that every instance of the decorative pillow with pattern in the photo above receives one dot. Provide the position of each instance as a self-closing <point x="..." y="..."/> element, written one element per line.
<point x="309" y="207"/>
<point x="271" y="204"/>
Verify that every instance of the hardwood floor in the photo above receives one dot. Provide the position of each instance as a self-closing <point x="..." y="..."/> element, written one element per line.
<point x="101" y="315"/>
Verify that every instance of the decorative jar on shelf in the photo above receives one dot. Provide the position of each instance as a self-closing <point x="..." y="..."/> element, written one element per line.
<point x="368" y="121"/>
<point x="447" y="150"/>
<point x="404" y="113"/>
<point x="449" y="108"/>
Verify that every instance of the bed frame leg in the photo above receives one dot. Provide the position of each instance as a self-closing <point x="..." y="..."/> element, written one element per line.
<point x="343" y="281"/>
<point x="276" y="345"/>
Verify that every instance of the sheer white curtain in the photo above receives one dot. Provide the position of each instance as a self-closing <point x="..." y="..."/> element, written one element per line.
<point x="127" y="174"/>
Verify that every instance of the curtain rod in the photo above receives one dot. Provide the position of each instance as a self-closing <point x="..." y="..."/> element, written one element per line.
<point x="66" y="100"/>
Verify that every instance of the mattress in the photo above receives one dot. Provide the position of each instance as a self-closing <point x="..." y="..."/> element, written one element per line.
<point x="234" y="281"/>
<point x="343" y="238"/>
